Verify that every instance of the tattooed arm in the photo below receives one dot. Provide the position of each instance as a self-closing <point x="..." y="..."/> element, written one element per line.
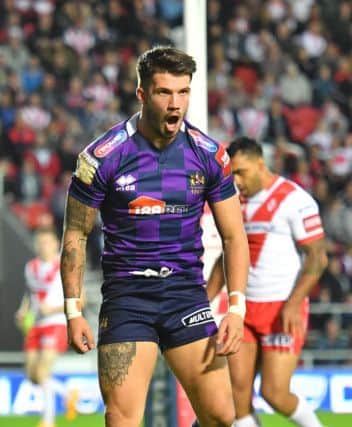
<point x="314" y="264"/>
<point x="79" y="221"/>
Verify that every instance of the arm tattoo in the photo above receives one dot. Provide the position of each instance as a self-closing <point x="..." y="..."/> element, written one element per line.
<point x="79" y="216"/>
<point x="79" y="221"/>
<point x="114" y="361"/>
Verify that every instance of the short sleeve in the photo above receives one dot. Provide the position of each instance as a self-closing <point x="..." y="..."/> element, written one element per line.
<point x="221" y="185"/>
<point x="304" y="218"/>
<point x="91" y="178"/>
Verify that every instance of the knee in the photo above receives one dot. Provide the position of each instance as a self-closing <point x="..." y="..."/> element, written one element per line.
<point x="274" y="394"/>
<point x="116" y="416"/>
<point x="225" y="418"/>
<point x="32" y="375"/>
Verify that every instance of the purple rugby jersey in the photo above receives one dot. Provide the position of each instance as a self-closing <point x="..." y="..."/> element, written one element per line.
<point x="151" y="200"/>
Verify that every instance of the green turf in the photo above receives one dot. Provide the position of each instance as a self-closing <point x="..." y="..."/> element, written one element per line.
<point x="97" y="420"/>
<point x="327" y="418"/>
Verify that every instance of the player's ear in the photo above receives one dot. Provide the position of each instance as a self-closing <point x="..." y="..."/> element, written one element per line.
<point x="140" y="94"/>
<point x="261" y="163"/>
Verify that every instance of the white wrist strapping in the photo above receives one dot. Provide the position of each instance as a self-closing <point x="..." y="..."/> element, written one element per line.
<point x="72" y="307"/>
<point x="240" y="307"/>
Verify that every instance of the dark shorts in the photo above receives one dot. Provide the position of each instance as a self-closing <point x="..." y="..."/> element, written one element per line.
<point x="170" y="315"/>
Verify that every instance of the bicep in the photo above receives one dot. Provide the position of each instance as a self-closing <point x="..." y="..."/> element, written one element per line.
<point x="79" y="216"/>
<point x="228" y="217"/>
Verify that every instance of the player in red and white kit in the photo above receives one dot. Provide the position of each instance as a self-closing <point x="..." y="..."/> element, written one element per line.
<point x="47" y="337"/>
<point x="286" y="241"/>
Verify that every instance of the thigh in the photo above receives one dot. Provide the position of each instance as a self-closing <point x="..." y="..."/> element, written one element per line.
<point x="125" y="370"/>
<point x="201" y="373"/>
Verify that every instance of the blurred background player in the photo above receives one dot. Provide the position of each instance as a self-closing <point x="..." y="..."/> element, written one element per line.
<point x="281" y="221"/>
<point x="41" y="317"/>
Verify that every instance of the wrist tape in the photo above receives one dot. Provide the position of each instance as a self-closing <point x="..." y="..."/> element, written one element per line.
<point x="72" y="307"/>
<point x="240" y="307"/>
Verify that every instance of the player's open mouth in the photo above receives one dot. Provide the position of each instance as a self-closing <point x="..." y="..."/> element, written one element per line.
<point x="172" y="121"/>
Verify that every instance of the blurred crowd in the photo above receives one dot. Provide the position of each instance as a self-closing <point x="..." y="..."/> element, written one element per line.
<point x="278" y="70"/>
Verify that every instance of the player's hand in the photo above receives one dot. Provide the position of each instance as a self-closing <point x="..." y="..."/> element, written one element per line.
<point x="291" y="317"/>
<point x="230" y="334"/>
<point x="80" y="336"/>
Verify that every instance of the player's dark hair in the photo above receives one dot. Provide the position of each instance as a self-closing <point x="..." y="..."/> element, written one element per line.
<point x="163" y="59"/>
<point x="245" y="145"/>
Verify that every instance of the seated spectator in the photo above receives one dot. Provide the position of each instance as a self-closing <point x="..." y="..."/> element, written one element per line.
<point x="295" y="88"/>
<point x="277" y="122"/>
<point x="28" y="185"/>
<point x="32" y="75"/>
<point x="333" y="338"/>
<point x="46" y="161"/>
<point x="34" y="115"/>
<point x="335" y="280"/>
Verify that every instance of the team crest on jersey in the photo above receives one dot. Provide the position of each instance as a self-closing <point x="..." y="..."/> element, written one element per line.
<point x="197" y="182"/>
<point x="202" y="141"/>
<point x="86" y="168"/>
<point x="198" y="317"/>
<point x="110" y="143"/>
<point x="224" y="160"/>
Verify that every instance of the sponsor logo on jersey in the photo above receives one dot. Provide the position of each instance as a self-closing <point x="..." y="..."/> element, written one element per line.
<point x="126" y="183"/>
<point x="86" y="168"/>
<point x="145" y="205"/>
<point x="312" y="223"/>
<point x="202" y="141"/>
<point x="224" y="160"/>
<point x="198" y="317"/>
<point x="110" y="143"/>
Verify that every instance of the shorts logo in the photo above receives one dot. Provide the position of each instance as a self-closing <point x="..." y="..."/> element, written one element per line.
<point x="126" y="183"/>
<point x="312" y="223"/>
<point x="145" y="205"/>
<point x="103" y="324"/>
<point x="202" y="141"/>
<point x="198" y="317"/>
<point x="110" y="143"/>
<point x="224" y="160"/>
<point x="86" y="167"/>
<point x="283" y="341"/>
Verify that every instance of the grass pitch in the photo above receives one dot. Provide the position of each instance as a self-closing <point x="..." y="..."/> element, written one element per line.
<point x="97" y="420"/>
<point x="327" y="418"/>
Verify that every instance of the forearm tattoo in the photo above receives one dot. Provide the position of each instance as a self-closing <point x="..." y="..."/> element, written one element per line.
<point x="79" y="220"/>
<point x="114" y="361"/>
<point x="79" y="216"/>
